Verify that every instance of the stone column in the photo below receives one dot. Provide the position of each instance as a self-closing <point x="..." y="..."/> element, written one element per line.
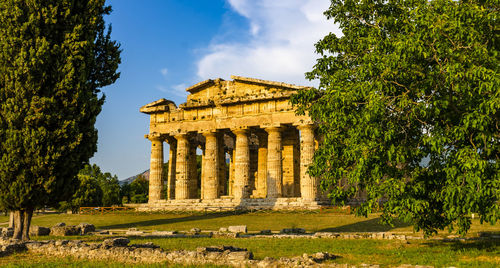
<point x="262" y="166"/>
<point x="172" y="155"/>
<point x="182" y="168"/>
<point x="241" y="164"/>
<point x="156" y="168"/>
<point x="274" y="162"/>
<point x="308" y="184"/>
<point x="210" y="167"/>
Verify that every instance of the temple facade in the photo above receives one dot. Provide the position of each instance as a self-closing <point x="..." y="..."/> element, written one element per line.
<point x="254" y="149"/>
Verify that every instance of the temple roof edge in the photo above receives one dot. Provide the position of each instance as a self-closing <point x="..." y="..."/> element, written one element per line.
<point x="161" y="105"/>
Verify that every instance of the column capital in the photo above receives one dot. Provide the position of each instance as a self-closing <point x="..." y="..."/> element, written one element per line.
<point x="274" y="129"/>
<point x="210" y="133"/>
<point x="181" y="136"/>
<point x="240" y="131"/>
<point x="306" y="127"/>
<point x="154" y="136"/>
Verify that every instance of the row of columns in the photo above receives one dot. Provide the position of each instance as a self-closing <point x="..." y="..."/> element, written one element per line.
<point x="181" y="177"/>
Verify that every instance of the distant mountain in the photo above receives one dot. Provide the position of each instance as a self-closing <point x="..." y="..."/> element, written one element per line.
<point x="145" y="174"/>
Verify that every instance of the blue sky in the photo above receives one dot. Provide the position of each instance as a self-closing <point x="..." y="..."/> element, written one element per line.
<point x="169" y="45"/>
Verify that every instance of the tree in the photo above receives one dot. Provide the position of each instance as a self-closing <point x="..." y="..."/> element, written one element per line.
<point x="94" y="189"/>
<point x="139" y="190"/>
<point x="111" y="189"/>
<point x="55" y="56"/>
<point x="88" y="194"/>
<point x="408" y="107"/>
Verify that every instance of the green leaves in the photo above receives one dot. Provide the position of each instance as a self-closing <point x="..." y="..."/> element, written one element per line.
<point x="54" y="58"/>
<point x="408" y="109"/>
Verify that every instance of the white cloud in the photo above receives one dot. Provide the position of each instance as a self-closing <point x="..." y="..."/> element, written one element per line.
<point x="282" y="44"/>
<point x="179" y="90"/>
<point x="164" y="72"/>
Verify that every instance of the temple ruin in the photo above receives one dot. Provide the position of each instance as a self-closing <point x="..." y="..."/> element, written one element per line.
<point x="255" y="149"/>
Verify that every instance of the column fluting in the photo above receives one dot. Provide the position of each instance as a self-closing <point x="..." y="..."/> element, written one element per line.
<point x="241" y="164"/>
<point x="182" y="168"/>
<point x="274" y="162"/>
<point x="308" y="184"/>
<point x="156" y="169"/>
<point x="210" y="166"/>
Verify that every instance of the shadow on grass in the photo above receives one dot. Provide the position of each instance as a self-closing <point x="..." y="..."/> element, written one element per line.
<point x="487" y="245"/>
<point x="169" y="220"/>
<point x="372" y="225"/>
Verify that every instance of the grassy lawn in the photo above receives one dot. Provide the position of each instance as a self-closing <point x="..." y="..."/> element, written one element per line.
<point x="383" y="252"/>
<point x="386" y="253"/>
<point x="38" y="260"/>
<point x="275" y="221"/>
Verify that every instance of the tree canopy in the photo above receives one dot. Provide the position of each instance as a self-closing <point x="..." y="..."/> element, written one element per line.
<point x="408" y="107"/>
<point x="55" y="56"/>
<point x="94" y="189"/>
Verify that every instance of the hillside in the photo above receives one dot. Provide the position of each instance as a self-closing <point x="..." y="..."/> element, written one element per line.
<point x="131" y="179"/>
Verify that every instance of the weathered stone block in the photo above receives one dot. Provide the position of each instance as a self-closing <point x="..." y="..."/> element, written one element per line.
<point x="86" y="228"/>
<point x="134" y="233"/>
<point x="160" y="233"/>
<point x="6" y="232"/>
<point x="237" y="229"/>
<point x="39" y="230"/>
<point x="116" y="242"/>
<point x="64" y="230"/>
<point x="293" y="231"/>
<point x="239" y="256"/>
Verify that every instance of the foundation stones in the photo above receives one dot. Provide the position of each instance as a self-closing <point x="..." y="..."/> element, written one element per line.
<point x="293" y="231"/>
<point x="39" y="231"/>
<point x="86" y="228"/>
<point x="116" y="242"/>
<point x="6" y="232"/>
<point x="64" y="230"/>
<point x="237" y="229"/>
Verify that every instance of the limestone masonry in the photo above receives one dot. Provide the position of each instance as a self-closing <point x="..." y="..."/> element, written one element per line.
<point x="255" y="149"/>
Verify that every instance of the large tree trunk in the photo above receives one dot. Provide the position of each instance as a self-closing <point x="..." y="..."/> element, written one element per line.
<point x="28" y="213"/>
<point x="18" y="224"/>
<point x="11" y="219"/>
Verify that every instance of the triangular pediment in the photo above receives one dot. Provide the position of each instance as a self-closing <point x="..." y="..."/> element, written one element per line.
<point x="240" y="89"/>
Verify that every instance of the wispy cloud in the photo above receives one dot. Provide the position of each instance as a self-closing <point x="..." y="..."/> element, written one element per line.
<point x="176" y="91"/>
<point x="164" y="72"/>
<point x="179" y="90"/>
<point x="282" y="44"/>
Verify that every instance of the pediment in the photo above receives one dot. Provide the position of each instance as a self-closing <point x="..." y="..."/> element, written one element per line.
<point x="240" y="89"/>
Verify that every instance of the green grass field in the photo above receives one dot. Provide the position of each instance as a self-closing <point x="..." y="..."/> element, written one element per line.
<point x="358" y="251"/>
<point x="275" y="221"/>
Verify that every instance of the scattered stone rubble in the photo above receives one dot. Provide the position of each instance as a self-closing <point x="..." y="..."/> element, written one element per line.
<point x="118" y="249"/>
<point x="60" y="229"/>
<point x="239" y="231"/>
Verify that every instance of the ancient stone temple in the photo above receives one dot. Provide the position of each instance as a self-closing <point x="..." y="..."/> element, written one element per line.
<point x="254" y="149"/>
